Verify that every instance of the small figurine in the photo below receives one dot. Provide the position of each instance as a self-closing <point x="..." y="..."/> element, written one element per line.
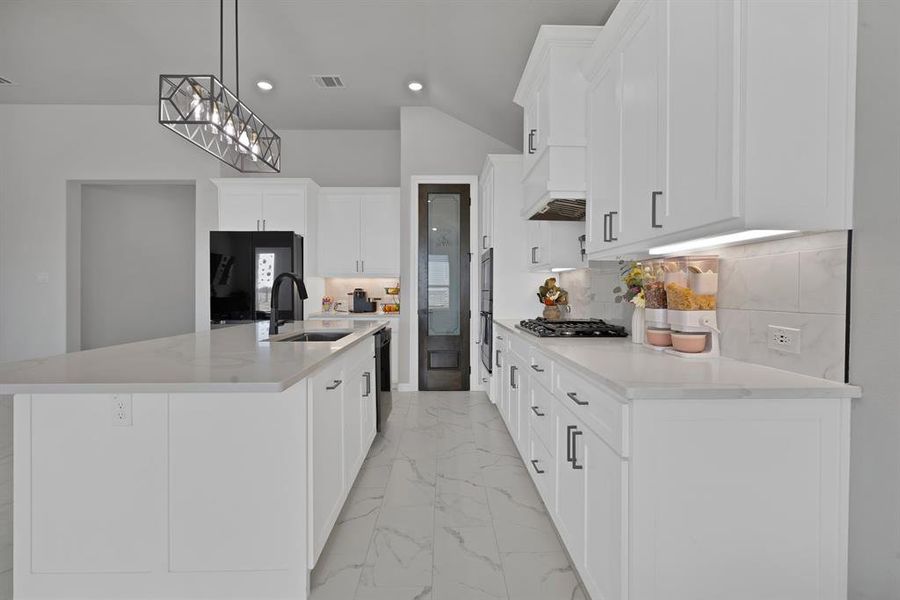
<point x="552" y="297"/>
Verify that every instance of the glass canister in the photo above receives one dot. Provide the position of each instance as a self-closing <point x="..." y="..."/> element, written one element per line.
<point x="655" y="282"/>
<point x="694" y="285"/>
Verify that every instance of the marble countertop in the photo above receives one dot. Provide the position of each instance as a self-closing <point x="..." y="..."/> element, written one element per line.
<point x="231" y="359"/>
<point x="635" y="372"/>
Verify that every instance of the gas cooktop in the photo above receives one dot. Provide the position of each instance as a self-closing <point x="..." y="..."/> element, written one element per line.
<point x="581" y="328"/>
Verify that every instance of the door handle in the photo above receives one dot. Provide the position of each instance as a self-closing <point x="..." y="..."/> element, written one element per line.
<point x="362" y="268"/>
<point x="484" y="242"/>
<point x="535" y="410"/>
<point x="500" y="338"/>
<point x="498" y="359"/>
<point x="653" y="197"/>
<point x="357" y="266"/>
<point x="534" y="255"/>
<point x="569" y="429"/>
<point x="606" y="219"/>
<point x="612" y="238"/>
<point x="534" y="463"/>
<point x="574" y="397"/>
<point x="537" y="368"/>
<point x="335" y="385"/>
<point x="257" y="224"/>
<point x="512" y="377"/>
<point x="368" y="377"/>
<point x="575" y="464"/>
<point x="264" y="224"/>
<point x="531" y="148"/>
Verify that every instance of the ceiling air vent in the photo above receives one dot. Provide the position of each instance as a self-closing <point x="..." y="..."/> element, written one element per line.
<point x="329" y="82"/>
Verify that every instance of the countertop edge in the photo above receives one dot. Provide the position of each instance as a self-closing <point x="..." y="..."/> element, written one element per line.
<point x="831" y="389"/>
<point x="274" y="387"/>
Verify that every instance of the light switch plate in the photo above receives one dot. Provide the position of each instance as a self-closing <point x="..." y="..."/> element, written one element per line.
<point x="784" y="339"/>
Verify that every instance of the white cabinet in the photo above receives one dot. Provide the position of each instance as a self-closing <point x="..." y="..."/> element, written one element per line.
<point x="644" y="492"/>
<point x="341" y="430"/>
<point x="486" y="207"/>
<point x="251" y="204"/>
<point x="605" y="476"/>
<point x="716" y="132"/>
<point x="359" y="232"/>
<point x="569" y="499"/>
<point x="553" y="245"/>
<point x="551" y="92"/>
<point x="326" y="398"/>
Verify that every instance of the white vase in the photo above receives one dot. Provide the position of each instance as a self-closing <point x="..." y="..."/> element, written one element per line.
<point x="637" y="326"/>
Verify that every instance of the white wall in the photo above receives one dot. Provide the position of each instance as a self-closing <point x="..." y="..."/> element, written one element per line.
<point x="431" y="143"/>
<point x="875" y="312"/>
<point x="135" y="282"/>
<point x="44" y="147"/>
<point x="339" y="157"/>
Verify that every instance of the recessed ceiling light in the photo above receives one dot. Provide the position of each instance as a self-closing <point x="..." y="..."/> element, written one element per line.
<point x="264" y="85"/>
<point x="415" y="86"/>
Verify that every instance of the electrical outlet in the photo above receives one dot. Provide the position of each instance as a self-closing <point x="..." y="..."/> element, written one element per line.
<point x="121" y="410"/>
<point x="784" y="339"/>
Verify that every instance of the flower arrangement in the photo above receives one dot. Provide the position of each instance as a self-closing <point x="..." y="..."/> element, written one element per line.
<point x="632" y="275"/>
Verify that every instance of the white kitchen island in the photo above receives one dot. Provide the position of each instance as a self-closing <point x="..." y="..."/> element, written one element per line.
<point x="208" y="465"/>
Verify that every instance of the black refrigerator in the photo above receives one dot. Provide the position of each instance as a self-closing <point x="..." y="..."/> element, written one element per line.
<point x="242" y="267"/>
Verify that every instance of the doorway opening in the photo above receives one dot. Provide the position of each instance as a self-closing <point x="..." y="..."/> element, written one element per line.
<point x="444" y="263"/>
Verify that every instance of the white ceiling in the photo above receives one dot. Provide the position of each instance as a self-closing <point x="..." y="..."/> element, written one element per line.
<point x="468" y="53"/>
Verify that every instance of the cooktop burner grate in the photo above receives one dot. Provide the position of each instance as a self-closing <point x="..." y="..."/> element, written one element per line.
<point x="576" y="328"/>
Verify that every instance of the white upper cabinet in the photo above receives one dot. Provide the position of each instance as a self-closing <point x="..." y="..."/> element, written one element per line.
<point x="554" y="245"/>
<point x="251" y="204"/>
<point x="486" y="207"/>
<point x="552" y="94"/>
<point x="697" y="124"/>
<point x="359" y="232"/>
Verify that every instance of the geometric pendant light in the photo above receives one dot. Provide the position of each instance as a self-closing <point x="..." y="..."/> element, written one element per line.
<point x="202" y="110"/>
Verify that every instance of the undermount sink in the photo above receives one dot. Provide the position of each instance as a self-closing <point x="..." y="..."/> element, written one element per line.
<point x="316" y="336"/>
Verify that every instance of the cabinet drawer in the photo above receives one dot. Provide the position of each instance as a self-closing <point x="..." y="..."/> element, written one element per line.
<point x="543" y="470"/>
<point x="601" y="411"/>
<point x="520" y="347"/>
<point x="540" y="367"/>
<point x="539" y="413"/>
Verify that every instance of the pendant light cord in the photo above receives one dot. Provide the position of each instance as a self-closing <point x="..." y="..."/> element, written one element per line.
<point x="237" y="73"/>
<point x="221" y="39"/>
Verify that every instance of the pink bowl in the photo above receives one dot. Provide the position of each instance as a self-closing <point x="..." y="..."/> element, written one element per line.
<point x="659" y="337"/>
<point x="689" y="342"/>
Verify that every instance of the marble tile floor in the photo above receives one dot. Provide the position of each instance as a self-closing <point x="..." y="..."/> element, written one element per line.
<point x="444" y="509"/>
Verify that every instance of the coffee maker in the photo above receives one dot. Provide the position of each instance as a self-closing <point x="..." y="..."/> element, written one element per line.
<point x="361" y="302"/>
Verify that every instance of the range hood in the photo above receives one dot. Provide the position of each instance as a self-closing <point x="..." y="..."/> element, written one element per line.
<point x="561" y="209"/>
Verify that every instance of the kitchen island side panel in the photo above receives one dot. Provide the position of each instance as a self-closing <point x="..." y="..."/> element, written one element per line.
<point x="200" y="496"/>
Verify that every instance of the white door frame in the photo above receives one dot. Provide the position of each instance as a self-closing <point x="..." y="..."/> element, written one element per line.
<point x="474" y="333"/>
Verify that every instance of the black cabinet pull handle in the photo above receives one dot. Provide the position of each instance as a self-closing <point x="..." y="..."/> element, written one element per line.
<point x="534" y="463"/>
<point x="575" y="464"/>
<point x="535" y="410"/>
<point x="606" y="219"/>
<point x="537" y="368"/>
<point x="500" y="337"/>
<point x="335" y="385"/>
<point x="498" y="359"/>
<point x="569" y="429"/>
<point x="534" y="255"/>
<point x="368" y="378"/>
<point x="484" y="242"/>
<point x="653" y="197"/>
<point x="612" y="238"/>
<point x="574" y="398"/>
<point x="531" y="148"/>
<point x="512" y="377"/>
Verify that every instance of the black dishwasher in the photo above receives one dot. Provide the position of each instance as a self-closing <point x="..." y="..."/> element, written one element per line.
<point x="382" y="376"/>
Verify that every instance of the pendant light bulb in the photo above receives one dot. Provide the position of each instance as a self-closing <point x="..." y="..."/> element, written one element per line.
<point x="244" y="140"/>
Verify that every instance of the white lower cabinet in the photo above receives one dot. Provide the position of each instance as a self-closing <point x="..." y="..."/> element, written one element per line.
<point x="678" y="498"/>
<point x="341" y="430"/>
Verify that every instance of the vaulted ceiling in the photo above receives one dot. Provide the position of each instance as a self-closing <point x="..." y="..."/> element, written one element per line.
<point x="468" y="53"/>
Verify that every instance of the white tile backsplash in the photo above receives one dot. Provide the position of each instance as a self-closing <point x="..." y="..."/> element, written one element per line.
<point x="798" y="282"/>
